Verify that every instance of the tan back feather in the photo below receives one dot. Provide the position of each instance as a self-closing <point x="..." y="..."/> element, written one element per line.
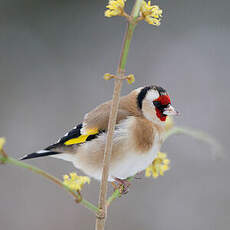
<point x="99" y="117"/>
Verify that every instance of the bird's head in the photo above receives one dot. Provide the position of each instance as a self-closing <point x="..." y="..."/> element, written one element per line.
<point x="155" y="103"/>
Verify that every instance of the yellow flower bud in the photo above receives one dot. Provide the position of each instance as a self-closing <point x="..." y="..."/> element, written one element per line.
<point x="161" y="155"/>
<point x="130" y="79"/>
<point x="107" y="76"/>
<point x="2" y="142"/>
<point x="65" y="177"/>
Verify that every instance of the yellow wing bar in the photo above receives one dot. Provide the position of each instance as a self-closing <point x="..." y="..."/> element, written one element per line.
<point x="81" y="138"/>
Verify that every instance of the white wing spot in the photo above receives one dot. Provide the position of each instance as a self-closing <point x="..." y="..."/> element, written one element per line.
<point x="66" y="134"/>
<point x="42" y="151"/>
<point x="58" y="140"/>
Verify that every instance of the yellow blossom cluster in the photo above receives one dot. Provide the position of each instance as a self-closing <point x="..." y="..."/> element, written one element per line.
<point x="75" y="182"/>
<point x="151" y="13"/>
<point x="158" y="166"/>
<point x="115" y="8"/>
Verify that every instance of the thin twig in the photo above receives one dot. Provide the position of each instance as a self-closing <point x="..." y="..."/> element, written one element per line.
<point x="108" y="148"/>
<point x="199" y="135"/>
<point x="34" y="169"/>
<point x="100" y="222"/>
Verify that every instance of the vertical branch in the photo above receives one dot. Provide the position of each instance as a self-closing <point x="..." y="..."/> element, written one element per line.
<point x="100" y="222"/>
<point x="101" y="218"/>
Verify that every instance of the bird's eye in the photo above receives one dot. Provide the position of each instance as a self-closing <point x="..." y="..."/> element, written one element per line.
<point x="157" y="104"/>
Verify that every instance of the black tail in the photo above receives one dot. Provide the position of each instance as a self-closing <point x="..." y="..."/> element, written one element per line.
<point x="42" y="153"/>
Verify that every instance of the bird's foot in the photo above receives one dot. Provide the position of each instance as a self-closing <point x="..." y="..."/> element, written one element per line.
<point x="122" y="185"/>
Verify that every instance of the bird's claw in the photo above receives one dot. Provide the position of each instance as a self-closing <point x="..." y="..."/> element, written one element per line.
<point x="123" y="189"/>
<point x="122" y="185"/>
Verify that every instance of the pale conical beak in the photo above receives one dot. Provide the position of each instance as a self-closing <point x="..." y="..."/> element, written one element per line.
<point x="170" y="111"/>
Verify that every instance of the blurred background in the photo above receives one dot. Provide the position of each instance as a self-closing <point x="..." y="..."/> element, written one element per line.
<point x="53" y="54"/>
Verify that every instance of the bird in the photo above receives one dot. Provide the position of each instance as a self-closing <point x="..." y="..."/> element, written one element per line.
<point x="137" y="137"/>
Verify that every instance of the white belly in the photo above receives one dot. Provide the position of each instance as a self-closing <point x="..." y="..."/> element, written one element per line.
<point x="134" y="163"/>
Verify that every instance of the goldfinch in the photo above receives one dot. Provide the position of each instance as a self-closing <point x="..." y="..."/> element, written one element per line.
<point x="136" y="141"/>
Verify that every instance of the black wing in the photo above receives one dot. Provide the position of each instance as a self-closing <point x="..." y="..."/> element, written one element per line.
<point x="73" y="137"/>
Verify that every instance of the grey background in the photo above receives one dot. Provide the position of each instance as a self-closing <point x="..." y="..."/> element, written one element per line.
<point x="53" y="54"/>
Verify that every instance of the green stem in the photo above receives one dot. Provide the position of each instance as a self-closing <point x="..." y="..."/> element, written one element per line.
<point x="100" y="222"/>
<point x="90" y="206"/>
<point x="136" y="9"/>
<point x="126" y="45"/>
<point x="115" y="195"/>
<point x="199" y="135"/>
<point x="34" y="169"/>
<point x="102" y="203"/>
<point x="129" y="35"/>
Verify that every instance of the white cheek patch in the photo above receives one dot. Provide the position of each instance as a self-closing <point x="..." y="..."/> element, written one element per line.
<point x="152" y="95"/>
<point x="148" y="110"/>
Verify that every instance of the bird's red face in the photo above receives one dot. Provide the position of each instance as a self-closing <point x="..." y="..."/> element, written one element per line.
<point x="163" y="107"/>
<point x="155" y="103"/>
